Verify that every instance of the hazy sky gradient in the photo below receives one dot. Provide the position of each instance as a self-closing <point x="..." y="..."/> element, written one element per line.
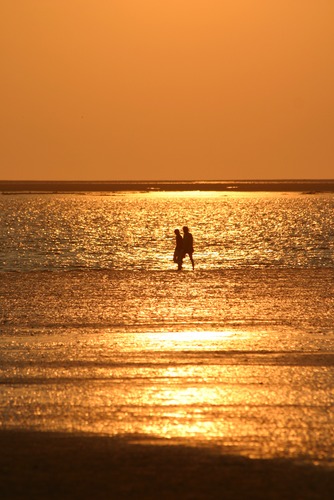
<point x="177" y="89"/>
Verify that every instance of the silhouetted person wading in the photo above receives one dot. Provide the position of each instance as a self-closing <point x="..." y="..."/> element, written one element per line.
<point x="188" y="245"/>
<point x="178" y="252"/>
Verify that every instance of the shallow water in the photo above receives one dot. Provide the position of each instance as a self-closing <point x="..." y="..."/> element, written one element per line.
<point x="99" y="334"/>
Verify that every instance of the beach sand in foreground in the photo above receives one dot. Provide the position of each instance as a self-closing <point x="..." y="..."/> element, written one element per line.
<point x="36" y="465"/>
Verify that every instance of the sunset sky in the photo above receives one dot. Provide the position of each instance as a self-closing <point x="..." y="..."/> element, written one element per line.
<point x="177" y="89"/>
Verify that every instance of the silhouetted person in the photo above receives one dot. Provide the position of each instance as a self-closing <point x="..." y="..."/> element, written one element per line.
<point x="188" y="245"/>
<point x="178" y="252"/>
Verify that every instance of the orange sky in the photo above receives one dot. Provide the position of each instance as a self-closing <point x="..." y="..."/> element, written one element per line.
<point x="177" y="89"/>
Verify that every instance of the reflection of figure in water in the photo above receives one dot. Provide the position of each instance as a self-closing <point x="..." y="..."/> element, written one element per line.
<point x="178" y="252"/>
<point x="188" y="243"/>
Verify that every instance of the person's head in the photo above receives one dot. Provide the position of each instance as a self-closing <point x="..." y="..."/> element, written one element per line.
<point x="176" y="231"/>
<point x="185" y="229"/>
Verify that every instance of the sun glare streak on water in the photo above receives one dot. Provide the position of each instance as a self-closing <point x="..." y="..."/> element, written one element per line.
<point x="201" y="386"/>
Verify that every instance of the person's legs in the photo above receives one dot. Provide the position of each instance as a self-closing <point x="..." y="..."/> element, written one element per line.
<point x="190" y="257"/>
<point x="179" y="261"/>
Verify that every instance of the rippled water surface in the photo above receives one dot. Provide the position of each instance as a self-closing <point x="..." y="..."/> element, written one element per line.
<point x="99" y="333"/>
<point x="135" y="231"/>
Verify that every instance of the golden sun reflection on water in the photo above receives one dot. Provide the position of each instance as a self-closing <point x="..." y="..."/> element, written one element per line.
<point x="182" y="391"/>
<point x="212" y="194"/>
<point x="185" y="194"/>
<point x="190" y="339"/>
<point x="199" y="387"/>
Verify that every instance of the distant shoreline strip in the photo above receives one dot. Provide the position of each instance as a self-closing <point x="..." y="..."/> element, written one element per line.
<point x="309" y="186"/>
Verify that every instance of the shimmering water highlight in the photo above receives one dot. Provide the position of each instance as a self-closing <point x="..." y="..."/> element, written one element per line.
<point x="135" y="231"/>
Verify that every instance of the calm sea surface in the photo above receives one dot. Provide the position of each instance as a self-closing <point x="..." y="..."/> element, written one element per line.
<point x="99" y="333"/>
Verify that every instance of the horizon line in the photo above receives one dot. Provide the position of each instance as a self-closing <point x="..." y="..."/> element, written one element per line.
<point x="174" y="181"/>
<point x="311" y="186"/>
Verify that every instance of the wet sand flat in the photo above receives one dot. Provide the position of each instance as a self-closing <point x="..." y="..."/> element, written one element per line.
<point x="36" y="465"/>
<point x="77" y="357"/>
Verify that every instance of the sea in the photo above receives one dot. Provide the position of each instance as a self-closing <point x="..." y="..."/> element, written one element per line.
<point x="101" y="334"/>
